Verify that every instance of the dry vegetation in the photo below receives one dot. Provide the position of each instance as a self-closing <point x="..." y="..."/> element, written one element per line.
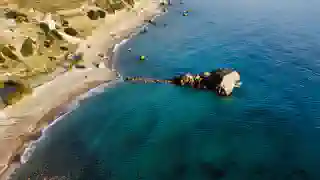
<point x="31" y="51"/>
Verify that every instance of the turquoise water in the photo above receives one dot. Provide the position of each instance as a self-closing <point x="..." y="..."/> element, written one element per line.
<point x="269" y="129"/>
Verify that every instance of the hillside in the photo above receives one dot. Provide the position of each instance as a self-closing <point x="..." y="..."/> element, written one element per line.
<point x="40" y="36"/>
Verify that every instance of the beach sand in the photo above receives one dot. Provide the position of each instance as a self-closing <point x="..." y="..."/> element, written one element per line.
<point x="22" y="121"/>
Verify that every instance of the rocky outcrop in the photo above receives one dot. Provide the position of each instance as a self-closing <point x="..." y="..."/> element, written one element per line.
<point x="224" y="80"/>
<point x="17" y="16"/>
<point x="44" y="27"/>
<point x="28" y="47"/>
<point x="12" y="89"/>
<point x="8" y="52"/>
<point x="93" y="15"/>
<point x="102" y="14"/>
<point x="96" y="14"/>
<point x="71" y="31"/>
<point x="112" y="6"/>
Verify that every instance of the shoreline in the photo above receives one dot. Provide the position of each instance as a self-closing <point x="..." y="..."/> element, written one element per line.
<point x="58" y="110"/>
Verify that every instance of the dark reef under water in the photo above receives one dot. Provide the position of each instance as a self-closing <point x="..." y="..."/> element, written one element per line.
<point x="268" y="129"/>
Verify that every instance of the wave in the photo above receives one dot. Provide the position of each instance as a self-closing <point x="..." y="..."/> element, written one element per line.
<point x="73" y="105"/>
<point x="66" y="109"/>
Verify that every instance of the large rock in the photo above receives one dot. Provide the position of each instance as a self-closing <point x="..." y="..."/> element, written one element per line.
<point x="102" y="3"/>
<point x="224" y="80"/>
<point x="118" y="6"/>
<point x="44" y="27"/>
<point x="6" y="51"/>
<point x="11" y="14"/>
<point x="111" y="7"/>
<point x="102" y="14"/>
<point x="93" y="15"/>
<point x="47" y="43"/>
<point x="64" y="23"/>
<point x="70" y="31"/>
<point x="110" y="10"/>
<point x="27" y="48"/>
<point x="131" y="2"/>
<point x="64" y="47"/>
<point x="12" y="89"/>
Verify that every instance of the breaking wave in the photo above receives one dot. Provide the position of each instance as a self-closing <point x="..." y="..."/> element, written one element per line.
<point x="66" y="109"/>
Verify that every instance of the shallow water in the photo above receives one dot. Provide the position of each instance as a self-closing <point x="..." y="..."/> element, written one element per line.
<point x="269" y="129"/>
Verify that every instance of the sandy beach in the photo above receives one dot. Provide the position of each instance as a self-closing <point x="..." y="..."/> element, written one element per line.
<point x="20" y="123"/>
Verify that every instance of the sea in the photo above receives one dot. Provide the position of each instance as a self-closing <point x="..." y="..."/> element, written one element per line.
<point x="269" y="129"/>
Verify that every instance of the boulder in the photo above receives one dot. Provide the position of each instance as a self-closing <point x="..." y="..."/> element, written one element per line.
<point x="70" y="31"/>
<point x="21" y="19"/>
<point x="79" y="66"/>
<point x="13" y="89"/>
<point x="93" y="15"/>
<point x="110" y="10"/>
<point x="44" y="27"/>
<point x="64" y="48"/>
<point x="131" y="2"/>
<point x="224" y="80"/>
<point x="11" y="14"/>
<point x="104" y="4"/>
<point x="101" y="13"/>
<point x="6" y="51"/>
<point x="47" y="43"/>
<point x="27" y="48"/>
<point x="117" y="6"/>
<point x="64" y="23"/>
<point x="52" y="58"/>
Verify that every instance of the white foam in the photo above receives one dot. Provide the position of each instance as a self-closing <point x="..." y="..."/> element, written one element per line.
<point x="76" y="103"/>
<point x="66" y="110"/>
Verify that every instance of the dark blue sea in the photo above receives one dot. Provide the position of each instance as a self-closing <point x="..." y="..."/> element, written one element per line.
<point x="268" y="130"/>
